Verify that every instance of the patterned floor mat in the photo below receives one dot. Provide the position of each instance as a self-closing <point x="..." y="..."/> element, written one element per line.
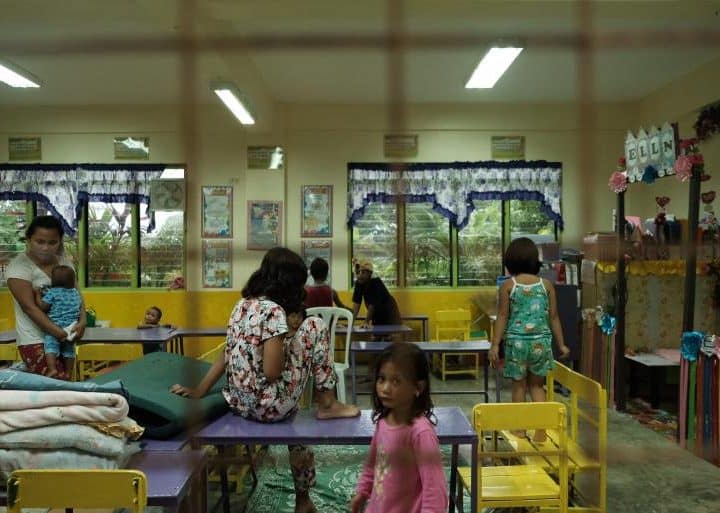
<point x="658" y="420"/>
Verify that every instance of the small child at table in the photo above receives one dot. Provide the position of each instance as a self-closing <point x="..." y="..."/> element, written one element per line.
<point x="152" y="320"/>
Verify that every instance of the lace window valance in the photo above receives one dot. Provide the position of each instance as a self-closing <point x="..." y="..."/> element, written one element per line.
<point x="61" y="188"/>
<point x="451" y="187"/>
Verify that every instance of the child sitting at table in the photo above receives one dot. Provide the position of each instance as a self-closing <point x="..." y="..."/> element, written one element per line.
<point x="403" y="471"/>
<point x="266" y="369"/>
<point x="62" y="302"/>
<point x="152" y="319"/>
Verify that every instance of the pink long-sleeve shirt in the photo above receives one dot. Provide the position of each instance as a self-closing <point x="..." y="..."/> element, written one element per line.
<point x="403" y="472"/>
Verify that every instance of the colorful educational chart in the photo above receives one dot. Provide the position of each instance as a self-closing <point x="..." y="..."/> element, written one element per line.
<point x="217" y="212"/>
<point x="217" y="264"/>
<point x="316" y="211"/>
<point x="264" y="224"/>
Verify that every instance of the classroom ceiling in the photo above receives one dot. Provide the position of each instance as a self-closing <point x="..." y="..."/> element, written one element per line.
<point x="101" y="52"/>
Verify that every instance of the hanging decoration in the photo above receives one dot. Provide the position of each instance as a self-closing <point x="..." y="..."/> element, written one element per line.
<point x="650" y="174"/>
<point x="654" y="147"/>
<point x="708" y="122"/>
<point x="618" y="180"/>
<point x="689" y="160"/>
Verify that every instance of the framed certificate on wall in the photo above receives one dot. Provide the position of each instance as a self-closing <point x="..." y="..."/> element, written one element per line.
<point x="316" y="215"/>
<point x="264" y="224"/>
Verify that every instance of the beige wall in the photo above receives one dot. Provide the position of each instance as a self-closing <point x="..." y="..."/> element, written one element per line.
<point x="321" y="139"/>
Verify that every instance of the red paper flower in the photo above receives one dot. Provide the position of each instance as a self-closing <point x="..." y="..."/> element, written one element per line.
<point x="683" y="168"/>
<point x="622" y="162"/>
<point x="618" y="182"/>
<point x="697" y="159"/>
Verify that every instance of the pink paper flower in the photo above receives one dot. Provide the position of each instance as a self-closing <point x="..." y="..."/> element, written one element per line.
<point x="618" y="182"/>
<point x="683" y="168"/>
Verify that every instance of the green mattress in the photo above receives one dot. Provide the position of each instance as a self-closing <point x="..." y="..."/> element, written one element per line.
<point x="162" y="413"/>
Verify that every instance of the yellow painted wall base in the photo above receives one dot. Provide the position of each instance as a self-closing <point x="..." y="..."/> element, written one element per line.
<point x="125" y="309"/>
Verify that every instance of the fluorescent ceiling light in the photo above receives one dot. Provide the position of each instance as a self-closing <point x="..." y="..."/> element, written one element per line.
<point x="492" y="67"/>
<point x="15" y="79"/>
<point x="232" y="101"/>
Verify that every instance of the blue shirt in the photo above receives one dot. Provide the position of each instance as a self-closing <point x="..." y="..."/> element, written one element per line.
<point x="64" y="305"/>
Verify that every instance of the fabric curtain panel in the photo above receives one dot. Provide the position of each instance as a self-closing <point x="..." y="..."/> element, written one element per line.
<point x="62" y="188"/>
<point x="452" y="187"/>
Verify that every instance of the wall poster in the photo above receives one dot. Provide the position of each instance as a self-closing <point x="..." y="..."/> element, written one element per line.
<point x="316" y="215"/>
<point x="217" y="212"/>
<point x="217" y="264"/>
<point x="264" y="224"/>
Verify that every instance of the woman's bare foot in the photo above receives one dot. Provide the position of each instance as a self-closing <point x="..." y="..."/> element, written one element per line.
<point x="540" y="436"/>
<point x="303" y="503"/>
<point x="336" y="409"/>
<point x="52" y="373"/>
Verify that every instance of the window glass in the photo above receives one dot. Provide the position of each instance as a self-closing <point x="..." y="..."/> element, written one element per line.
<point x="427" y="246"/>
<point x="479" y="245"/>
<point x="374" y="238"/>
<point x="162" y="249"/>
<point x="527" y="220"/>
<point x="110" y="248"/>
<point x="12" y="229"/>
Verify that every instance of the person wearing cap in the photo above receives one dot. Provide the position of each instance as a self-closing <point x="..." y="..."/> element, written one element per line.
<point x="381" y="306"/>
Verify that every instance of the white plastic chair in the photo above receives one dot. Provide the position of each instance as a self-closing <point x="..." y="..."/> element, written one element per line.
<point x="331" y="315"/>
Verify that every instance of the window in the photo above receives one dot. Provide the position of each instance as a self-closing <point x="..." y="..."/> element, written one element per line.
<point x="374" y="238"/>
<point x="115" y="248"/>
<point x="12" y="230"/>
<point x="429" y="241"/>
<point x="162" y="250"/>
<point x="111" y="251"/>
<point x="427" y="246"/>
<point x="480" y="245"/>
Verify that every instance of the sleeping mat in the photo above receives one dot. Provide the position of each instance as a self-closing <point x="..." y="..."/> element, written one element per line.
<point x="152" y="405"/>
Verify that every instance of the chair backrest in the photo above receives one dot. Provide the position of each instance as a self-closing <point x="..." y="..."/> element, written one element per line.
<point x="92" y="357"/>
<point x="452" y="324"/>
<point x="518" y="416"/>
<point x="60" y="489"/>
<point x="331" y="315"/>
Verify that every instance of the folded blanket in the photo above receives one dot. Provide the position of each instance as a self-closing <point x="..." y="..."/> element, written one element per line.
<point x="65" y="436"/>
<point x="15" y="459"/>
<point x="12" y="379"/>
<point x="22" y="409"/>
<point x="162" y="413"/>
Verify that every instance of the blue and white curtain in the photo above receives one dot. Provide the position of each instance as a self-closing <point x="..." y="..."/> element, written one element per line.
<point x="61" y="188"/>
<point x="451" y="187"/>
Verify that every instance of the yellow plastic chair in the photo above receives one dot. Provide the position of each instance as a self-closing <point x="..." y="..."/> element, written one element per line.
<point x="331" y="315"/>
<point x="503" y="485"/>
<point x="61" y="489"/>
<point x="9" y="353"/>
<point x="92" y="358"/>
<point x="454" y="326"/>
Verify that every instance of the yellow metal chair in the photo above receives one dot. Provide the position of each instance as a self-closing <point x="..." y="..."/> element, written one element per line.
<point x="454" y="326"/>
<point x="92" y="358"/>
<point x="64" y="489"/>
<point x="331" y="315"/>
<point x="504" y="485"/>
<point x="9" y="353"/>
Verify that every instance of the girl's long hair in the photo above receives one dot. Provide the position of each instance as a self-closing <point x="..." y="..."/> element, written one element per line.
<point x="414" y="366"/>
<point x="281" y="279"/>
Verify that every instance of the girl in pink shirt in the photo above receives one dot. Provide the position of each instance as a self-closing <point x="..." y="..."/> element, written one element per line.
<point x="403" y="472"/>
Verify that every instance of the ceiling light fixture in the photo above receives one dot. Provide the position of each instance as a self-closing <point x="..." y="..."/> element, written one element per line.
<point x="15" y="77"/>
<point x="232" y="100"/>
<point x="492" y="67"/>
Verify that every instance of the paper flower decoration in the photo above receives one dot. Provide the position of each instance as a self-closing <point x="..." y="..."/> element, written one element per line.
<point x="690" y="345"/>
<point x="607" y="323"/>
<point x="708" y="197"/>
<point x="683" y="168"/>
<point x="618" y="182"/>
<point x="649" y="175"/>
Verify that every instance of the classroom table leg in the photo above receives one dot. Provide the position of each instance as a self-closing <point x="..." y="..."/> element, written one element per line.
<point x="497" y="383"/>
<point x="352" y="372"/>
<point x="453" y="478"/>
<point x="224" y="488"/>
<point x="486" y="377"/>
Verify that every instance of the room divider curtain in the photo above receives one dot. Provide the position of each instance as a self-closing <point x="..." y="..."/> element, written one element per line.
<point x="62" y="188"/>
<point x="451" y="187"/>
